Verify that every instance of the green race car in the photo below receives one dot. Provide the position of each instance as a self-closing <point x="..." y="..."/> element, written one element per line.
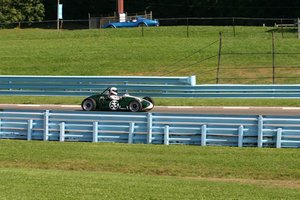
<point x="102" y="101"/>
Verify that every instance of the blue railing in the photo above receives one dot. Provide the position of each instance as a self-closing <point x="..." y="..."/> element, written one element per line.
<point x="152" y="128"/>
<point x="165" y="87"/>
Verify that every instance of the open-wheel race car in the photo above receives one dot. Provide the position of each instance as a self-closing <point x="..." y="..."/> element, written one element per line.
<point x="109" y="101"/>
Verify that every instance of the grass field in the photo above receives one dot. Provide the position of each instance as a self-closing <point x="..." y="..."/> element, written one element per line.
<point x="52" y="170"/>
<point x="126" y="52"/>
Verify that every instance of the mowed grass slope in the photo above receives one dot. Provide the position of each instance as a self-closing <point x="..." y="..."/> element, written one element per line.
<point x="52" y="170"/>
<point x="126" y="52"/>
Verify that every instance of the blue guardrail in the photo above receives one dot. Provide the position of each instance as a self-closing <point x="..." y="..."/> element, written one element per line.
<point x="163" y="87"/>
<point x="151" y="128"/>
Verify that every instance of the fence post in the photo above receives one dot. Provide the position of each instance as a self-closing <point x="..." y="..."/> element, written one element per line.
<point x="298" y="28"/>
<point x="233" y="26"/>
<point x="203" y="135"/>
<point x="46" y="125"/>
<point x="260" y="131"/>
<point x="29" y="129"/>
<point x="90" y="24"/>
<point x="130" y="133"/>
<point x="278" y="139"/>
<point x="149" y="128"/>
<point x="241" y="135"/>
<point x="219" y="57"/>
<point x="95" y="131"/>
<point x="273" y="56"/>
<point x="62" y="132"/>
<point x="281" y="28"/>
<point x="166" y="135"/>
<point x="187" y="28"/>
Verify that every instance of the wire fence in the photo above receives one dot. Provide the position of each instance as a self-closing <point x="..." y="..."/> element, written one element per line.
<point x="235" y="67"/>
<point x="283" y="25"/>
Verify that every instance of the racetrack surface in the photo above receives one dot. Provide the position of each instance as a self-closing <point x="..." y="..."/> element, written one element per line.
<point x="174" y="109"/>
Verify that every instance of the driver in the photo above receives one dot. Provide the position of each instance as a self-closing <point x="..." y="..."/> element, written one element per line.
<point x="113" y="94"/>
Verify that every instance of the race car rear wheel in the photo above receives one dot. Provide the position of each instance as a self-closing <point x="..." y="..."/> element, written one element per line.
<point x="88" y="104"/>
<point x="135" y="106"/>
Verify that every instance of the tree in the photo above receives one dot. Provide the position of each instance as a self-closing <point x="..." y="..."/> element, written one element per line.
<point x="21" y="10"/>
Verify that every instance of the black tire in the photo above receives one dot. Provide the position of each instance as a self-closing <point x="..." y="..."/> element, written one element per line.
<point x="135" y="106"/>
<point x="142" y="25"/>
<point x="149" y="99"/>
<point x="111" y="26"/>
<point x="88" y="104"/>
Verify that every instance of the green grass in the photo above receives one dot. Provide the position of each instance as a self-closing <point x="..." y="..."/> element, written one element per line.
<point x="52" y="170"/>
<point x="126" y="52"/>
<point x="56" y="170"/>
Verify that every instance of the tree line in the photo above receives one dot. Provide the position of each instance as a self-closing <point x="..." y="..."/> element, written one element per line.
<point x="34" y="10"/>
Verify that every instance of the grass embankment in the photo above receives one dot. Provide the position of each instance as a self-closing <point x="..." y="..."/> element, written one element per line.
<point x="126" y="52"/>
<point x="52" y="170"/>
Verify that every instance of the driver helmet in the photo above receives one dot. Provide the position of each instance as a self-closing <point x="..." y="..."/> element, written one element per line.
<point x="113" y="91"/>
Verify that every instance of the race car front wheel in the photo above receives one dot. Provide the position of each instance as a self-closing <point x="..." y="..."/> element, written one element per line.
<point x="88" y="104"/>
<point x="135" y="106"/>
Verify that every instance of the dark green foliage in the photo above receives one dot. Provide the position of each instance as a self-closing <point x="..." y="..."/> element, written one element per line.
<point x="79" y="9"/>
<point x="21" y="10"/>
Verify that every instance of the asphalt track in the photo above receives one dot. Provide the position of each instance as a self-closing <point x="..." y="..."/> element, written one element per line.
<point x="291" y="111"/>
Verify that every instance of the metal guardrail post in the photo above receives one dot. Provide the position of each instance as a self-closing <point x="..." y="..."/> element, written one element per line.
<point x="203" y="135"/>
<point x="46" y="125"/>
<point x="278" y="139"/>
<point x="260" y="131"/>
<point x="130" y="133"/>
<point x="241" y="135"/>
<point x="192" y="80"/>
<point x="166" y="135"/>
<point x="95" y="131"/>
<point x="62" y="132"/>
<point x="149" y="128"/>
<point x="29" y="129"/>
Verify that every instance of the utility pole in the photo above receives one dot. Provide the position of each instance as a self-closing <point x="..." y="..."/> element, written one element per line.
<point x="120" y="6"/>
<point x="58" y="15"/>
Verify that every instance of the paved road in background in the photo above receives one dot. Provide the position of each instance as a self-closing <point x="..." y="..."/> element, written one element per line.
<point x="174" y="109"/>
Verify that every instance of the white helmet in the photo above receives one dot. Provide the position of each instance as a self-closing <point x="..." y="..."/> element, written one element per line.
<point x="113" y="91"/>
